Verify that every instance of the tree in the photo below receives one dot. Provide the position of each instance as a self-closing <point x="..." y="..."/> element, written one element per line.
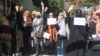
<point x="85" y="2"/>
<point x="56" y="5"/>
<point x="53" y="5"/>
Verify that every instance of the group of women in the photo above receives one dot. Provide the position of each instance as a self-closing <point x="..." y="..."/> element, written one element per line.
<point x="63" y="33"/>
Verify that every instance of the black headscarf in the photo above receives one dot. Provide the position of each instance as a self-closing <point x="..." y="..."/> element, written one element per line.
<point x="78" y="13"/>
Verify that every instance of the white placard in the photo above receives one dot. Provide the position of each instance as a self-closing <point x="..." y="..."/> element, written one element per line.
<point x="51" y="21"/>
<point x="95" y="37"/>
<point x="46" y="35"/>
<point x="79" y="21"/>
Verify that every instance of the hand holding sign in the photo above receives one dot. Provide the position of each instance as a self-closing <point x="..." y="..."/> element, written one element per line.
<point x="79" y="21"/>
<point x="46" y="35"/>
<point x="51" y="21"/>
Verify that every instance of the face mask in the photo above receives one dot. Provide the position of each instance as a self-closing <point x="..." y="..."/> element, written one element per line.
<point x="38" y="16"/>
<point x="60" y="17"/>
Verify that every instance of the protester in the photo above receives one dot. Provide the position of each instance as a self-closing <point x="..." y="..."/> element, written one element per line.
<point x="20" y="27"/>
<point x="62" y="33"/>
<point x="6" y="36"/>
<point x="94" y="30"/>
<point x="11" y="16"/>
<point x="38" y="25"/>
<point x="77" y="38"/>
<point x="27" y="26"/>
<point x="52" y="31"/>
<point x="37" y="31"/>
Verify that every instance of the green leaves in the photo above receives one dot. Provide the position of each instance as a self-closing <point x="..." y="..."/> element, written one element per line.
<point x="85" y="2"/>
<point x="56" y="5"/>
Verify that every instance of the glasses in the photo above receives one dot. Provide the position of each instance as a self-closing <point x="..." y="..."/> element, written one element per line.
<point x="50" y="15"/>
<point x="60" y="15"/>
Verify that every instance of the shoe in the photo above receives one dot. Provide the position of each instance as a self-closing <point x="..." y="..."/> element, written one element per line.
<point x="50" y="52"/>
<point x="37" y="54"/>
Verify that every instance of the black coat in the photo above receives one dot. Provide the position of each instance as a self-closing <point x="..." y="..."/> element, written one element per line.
<point x="77" y="40"/>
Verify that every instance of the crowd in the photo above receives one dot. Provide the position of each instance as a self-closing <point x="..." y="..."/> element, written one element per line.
<point x="25" y="31"/>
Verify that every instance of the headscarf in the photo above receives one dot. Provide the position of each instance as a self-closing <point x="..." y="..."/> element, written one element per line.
<point x="78" y="13"/>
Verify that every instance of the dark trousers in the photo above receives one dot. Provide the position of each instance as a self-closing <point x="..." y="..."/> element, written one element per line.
<point x="38" y="44"/>
<point x="60" y="39"/>
<point x="7" y="47"/>
<point x="94" y="48"/>
<point x="26" y="41"/>
<point x="61" y="45"/>
<point x="13" y="41"/>
<point x="0" y="48"/>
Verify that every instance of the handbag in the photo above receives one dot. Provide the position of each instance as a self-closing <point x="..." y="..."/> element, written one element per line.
<point x="38" y="34"/>
<point x="96" y="45"/>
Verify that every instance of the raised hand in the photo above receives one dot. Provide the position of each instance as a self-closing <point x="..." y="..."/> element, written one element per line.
<point x="42" y="4"/>
<point x="17" y="8"/>
<point x="64" y="12"/>
<point x="46" y="8"/>
<point x="71" y="8"/>
<point x="21" y="8"/>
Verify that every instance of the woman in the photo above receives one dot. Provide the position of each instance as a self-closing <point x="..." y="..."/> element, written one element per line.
<point x="61" y="34"/>
<point x="37" y="31"/>
<point x="6" y="36"/>
<point x="26" y="29"/>
<point x="52" y="30"/>
<point x="77" y="39"/>
<point x="94" y="29"/>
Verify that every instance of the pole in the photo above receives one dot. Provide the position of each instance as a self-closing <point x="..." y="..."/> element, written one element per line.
<point x="5" y="6"/>
<point x="10" y="5"/>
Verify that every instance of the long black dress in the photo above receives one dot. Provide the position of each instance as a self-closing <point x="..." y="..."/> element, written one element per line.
<point x="12" y="20"/>
<point x="77" y="38"/>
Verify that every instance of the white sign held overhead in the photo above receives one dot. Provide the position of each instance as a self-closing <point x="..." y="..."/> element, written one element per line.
<point x="79" y="21"/>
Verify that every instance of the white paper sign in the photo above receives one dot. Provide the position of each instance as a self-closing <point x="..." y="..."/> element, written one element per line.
<point x="46" y="35"/>
<point x="95" y="37"/>
<point x="51" y="21"/>
<point x="79" y="21"/>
